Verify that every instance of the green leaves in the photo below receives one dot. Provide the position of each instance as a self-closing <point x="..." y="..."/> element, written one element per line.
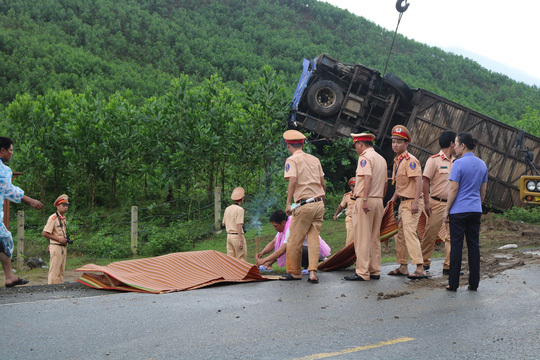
<point x="193" y="137"/>
<point x="530" y="122"/>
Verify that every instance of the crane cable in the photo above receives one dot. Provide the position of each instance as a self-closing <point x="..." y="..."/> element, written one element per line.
<point x="401" y="7"/>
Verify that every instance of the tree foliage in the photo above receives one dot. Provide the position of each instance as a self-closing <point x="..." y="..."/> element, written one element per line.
<point x="107" y="46"/>
<point x="191" y="139"/>
<point x="530" y="122"/>
<point x="119" y="101"/>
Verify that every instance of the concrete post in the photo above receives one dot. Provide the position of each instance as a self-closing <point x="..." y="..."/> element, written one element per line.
<point x="134" y="229"/>
<point x="217" y="209"/>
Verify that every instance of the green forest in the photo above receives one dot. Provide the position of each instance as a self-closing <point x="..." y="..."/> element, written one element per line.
<point x="157" y="102"/>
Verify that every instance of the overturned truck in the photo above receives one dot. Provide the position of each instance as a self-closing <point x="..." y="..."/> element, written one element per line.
<point x="333" y="100"/>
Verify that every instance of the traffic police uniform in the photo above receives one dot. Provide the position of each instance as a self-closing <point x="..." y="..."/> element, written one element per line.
<point x="56" y="225"/>
<point x="234" y="216"/>
<point x="406" y="168"/>
<point x="367" y="226"/>
<point x="437" y="170"/>
<point x="306" y="219"/>
<point x="348" y="204"/>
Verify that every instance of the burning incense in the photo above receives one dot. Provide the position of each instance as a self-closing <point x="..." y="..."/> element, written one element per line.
<point x="258" y="242"/>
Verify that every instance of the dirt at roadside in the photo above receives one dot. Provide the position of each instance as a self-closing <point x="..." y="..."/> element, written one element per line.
<point x="494" y="233"/>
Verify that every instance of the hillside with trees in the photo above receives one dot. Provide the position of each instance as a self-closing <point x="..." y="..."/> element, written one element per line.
<point x="122" y="102"/>
<point x="106" y="46"/>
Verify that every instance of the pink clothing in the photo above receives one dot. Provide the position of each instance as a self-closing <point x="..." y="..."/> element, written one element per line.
<point x="281" y="238"/>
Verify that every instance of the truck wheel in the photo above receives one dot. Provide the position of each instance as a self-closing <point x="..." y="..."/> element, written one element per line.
<point x="399" y="86"/>
<point x="325" y="97"/>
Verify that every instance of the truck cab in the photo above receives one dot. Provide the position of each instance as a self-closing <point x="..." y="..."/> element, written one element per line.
<point x="334" y="99"/>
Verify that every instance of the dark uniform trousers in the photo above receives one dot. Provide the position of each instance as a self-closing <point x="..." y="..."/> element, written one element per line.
<point x="468" y="225"/>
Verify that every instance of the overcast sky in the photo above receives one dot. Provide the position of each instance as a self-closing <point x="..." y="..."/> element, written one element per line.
<point x="502" y="36"/>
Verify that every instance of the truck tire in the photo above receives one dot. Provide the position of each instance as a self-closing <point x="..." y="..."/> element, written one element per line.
<point x="403" y="90"/>
<point x="325" y="97"/>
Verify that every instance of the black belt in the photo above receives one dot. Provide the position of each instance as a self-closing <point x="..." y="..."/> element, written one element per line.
<point x="232" y="233"/>
<point x="404" y="198"/>
<point x="303" y="201"/>
<point x="437" y="199"/>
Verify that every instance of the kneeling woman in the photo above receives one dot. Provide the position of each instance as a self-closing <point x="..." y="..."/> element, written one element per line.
<point x="281" y="224"/>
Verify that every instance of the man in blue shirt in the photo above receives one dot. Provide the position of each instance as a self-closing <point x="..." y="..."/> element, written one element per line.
<point x="468" y="183"/>
<point x="14" y="194"/>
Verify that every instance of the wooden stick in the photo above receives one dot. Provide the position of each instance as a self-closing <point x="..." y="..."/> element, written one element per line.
<point x="258" y="242"/>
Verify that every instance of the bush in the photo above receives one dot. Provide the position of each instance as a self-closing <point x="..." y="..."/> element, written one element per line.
<point x="103" y="245"/>
<point x="177" y="237"/>
<point x="529" y="215"/>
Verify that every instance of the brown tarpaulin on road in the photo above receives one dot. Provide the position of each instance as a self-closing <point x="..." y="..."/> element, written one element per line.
<point x="421" y="229"/>
<point x="346" y="256"/>
<point x="171" y="272"/>
<point x="340" y="260"/>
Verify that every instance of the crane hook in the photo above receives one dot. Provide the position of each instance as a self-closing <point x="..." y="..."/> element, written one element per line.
<point x="402" y="7"/>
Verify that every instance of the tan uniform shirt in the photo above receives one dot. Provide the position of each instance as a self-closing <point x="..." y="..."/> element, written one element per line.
<point x="308" y="172"/>
<point x="53" y="227"/>
<point x="406" y="167"/>
<point x="372" y="164"/>
<point x="234" y="215"/>
<point x="437" y="170"/>
<point x="347" y="203"/>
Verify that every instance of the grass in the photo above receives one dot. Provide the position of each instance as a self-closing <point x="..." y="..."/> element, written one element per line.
<point x="529" y="214"/>
<point x="333" y="232"/>
<point x="72" y="263"/>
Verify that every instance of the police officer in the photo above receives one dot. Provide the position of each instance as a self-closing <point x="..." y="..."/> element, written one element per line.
<point x="368" y="208"/>
<point x="56" y="231"/>
<point x="435" y="189"/>
<point x="347" y="203"/>
<point x="407" y="176"/>
<point x="307" y="186"/>
<point x="233" y="220"/>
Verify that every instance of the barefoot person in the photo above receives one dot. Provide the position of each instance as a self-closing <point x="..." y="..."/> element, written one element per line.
<point x="407" y="175"/>
<point x="14" y="194"/>
<point x="435" y="188"/>
<point x="307" y="186"/>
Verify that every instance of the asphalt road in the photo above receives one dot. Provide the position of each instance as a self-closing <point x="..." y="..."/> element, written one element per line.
<point x="280" y="320"/>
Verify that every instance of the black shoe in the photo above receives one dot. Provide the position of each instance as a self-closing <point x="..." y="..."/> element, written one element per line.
<point x="472" y="289"/>
<point x="448" y="288"/>
<point x="354" y="277"/>
<point x="426" y="267"/>
<point x="374" y="277"/>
